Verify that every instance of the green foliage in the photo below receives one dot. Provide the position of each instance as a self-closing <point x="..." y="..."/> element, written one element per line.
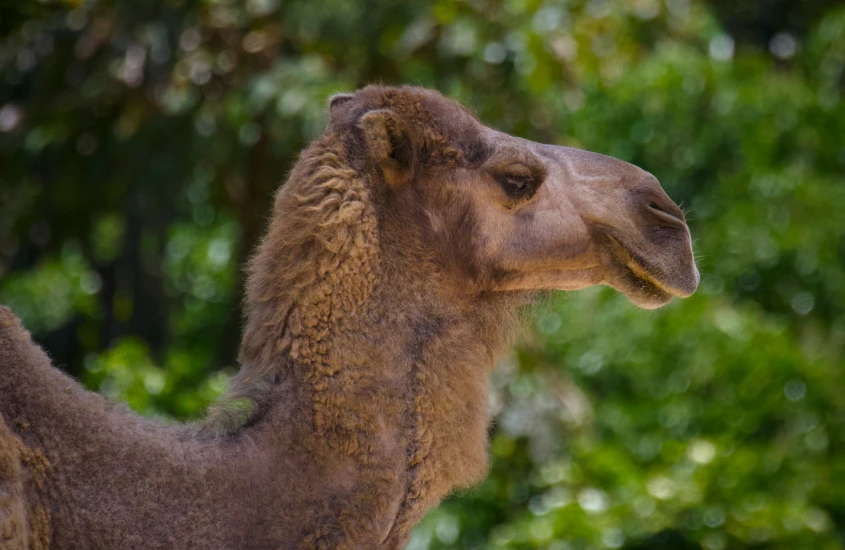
<point x="48" y="296"/>
<point x="140" y="149"/>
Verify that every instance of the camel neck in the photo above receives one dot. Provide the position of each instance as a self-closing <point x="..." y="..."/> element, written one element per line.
<point x="391" y="403"/>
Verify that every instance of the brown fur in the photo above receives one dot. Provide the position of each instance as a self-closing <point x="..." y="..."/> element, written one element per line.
<point x="376" y="305"/>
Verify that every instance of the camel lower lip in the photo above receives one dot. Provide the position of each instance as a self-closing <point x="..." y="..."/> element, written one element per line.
<point x="645" y="292"/>
<point x="637" y="283"/>
<point x="642" y="274"/>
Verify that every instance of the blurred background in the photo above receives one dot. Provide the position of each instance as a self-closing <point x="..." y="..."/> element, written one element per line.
<point x="141" y="142"/>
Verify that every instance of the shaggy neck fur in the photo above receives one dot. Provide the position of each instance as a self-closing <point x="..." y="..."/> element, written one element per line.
<point x="361" y="403"/>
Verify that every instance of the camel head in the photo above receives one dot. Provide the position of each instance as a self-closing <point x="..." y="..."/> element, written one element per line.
<point x="501" y="213"/>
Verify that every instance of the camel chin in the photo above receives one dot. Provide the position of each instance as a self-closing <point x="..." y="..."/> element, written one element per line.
<point x="643" y="293"/>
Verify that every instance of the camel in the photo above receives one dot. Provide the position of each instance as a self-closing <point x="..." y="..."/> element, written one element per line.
<point x="399" y="253"/>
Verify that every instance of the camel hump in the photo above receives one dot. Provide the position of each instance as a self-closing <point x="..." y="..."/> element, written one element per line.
<point x="13" y="516"/>
<point x="15" y="346"/>
<point x="10" y="325"/>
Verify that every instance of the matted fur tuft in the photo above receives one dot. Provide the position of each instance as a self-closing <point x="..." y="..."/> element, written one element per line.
<point x="317" y="263"/>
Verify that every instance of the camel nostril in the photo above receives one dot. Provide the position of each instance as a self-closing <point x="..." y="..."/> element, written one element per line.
<point x="674" y="218"/>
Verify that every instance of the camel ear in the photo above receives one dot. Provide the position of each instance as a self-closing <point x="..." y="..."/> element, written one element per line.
<point x="337" y="100"/>
<point x="389" y="145"/>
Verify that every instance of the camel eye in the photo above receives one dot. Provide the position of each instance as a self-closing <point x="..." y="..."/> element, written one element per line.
<point x="519" y="184"/>
<point x="518" y="180"/>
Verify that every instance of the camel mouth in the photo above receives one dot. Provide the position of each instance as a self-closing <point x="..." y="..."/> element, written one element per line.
<point x="645" y="284"/>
